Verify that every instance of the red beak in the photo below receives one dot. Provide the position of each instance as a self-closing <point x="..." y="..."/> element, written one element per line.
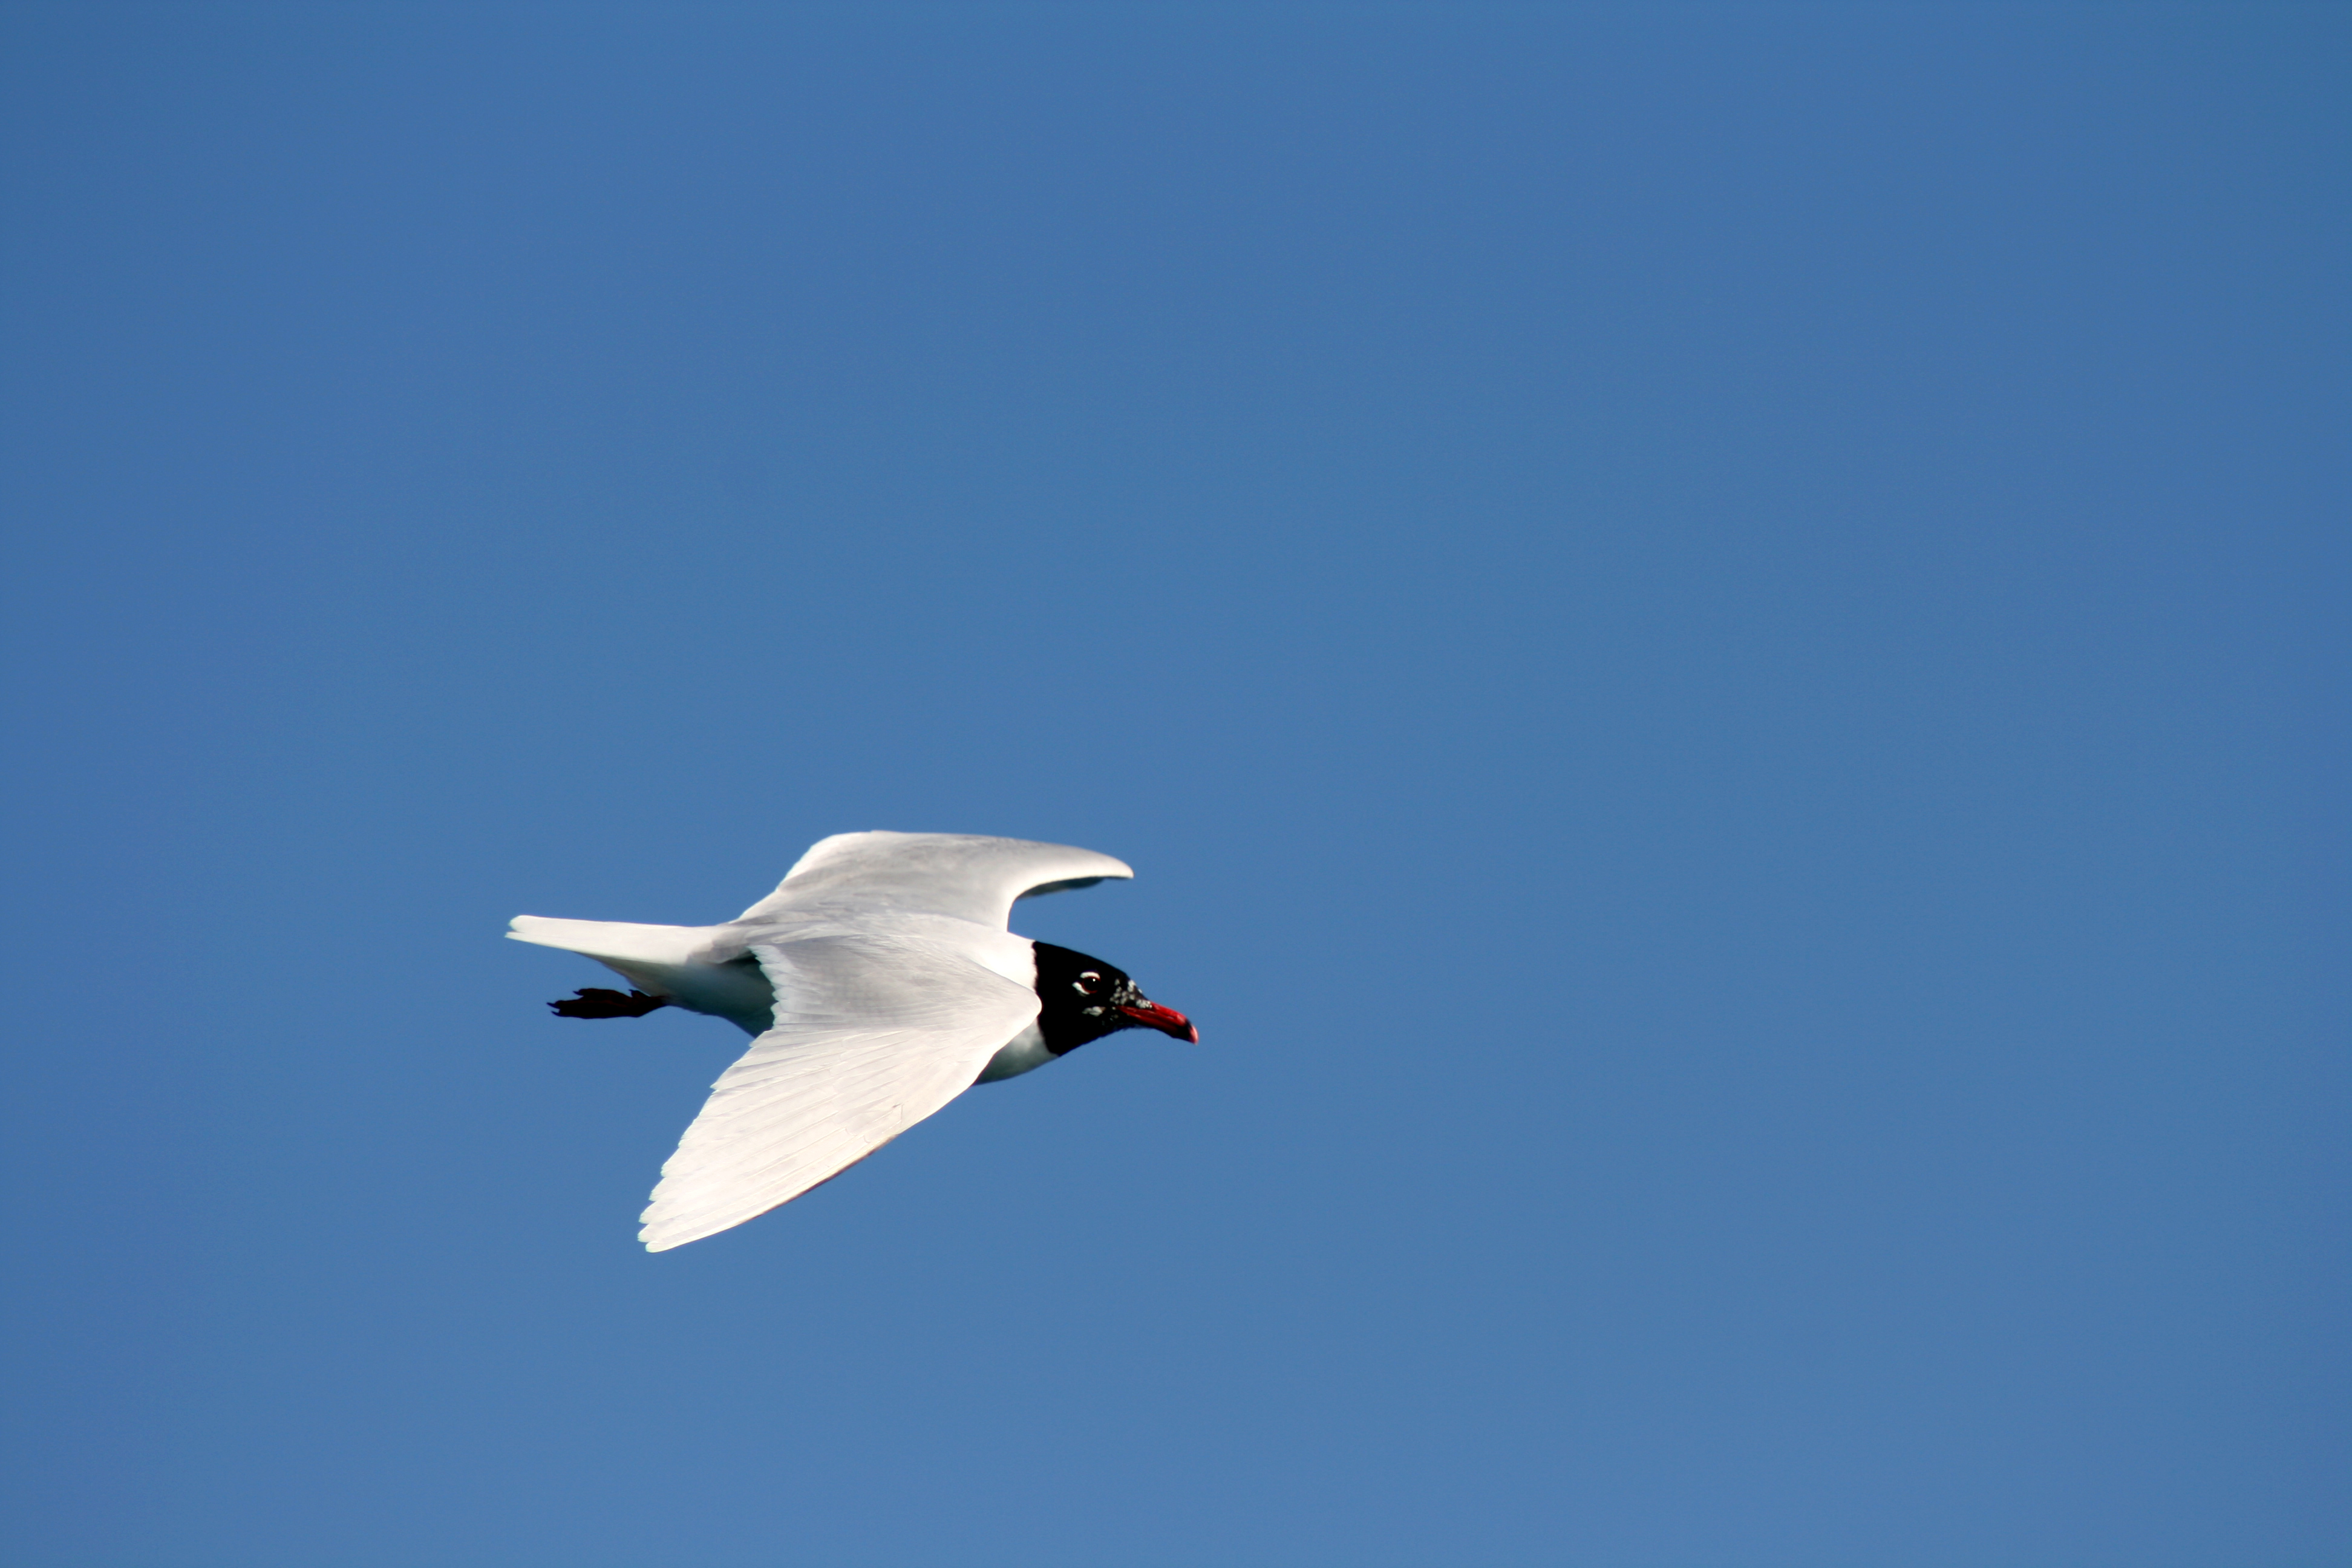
<point x="1167" y="1020"/>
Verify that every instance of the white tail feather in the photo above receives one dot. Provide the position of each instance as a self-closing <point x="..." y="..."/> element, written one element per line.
<point x="621" y="940"/>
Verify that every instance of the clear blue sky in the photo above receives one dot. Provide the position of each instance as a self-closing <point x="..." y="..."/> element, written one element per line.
<point x="1719" y="635"/>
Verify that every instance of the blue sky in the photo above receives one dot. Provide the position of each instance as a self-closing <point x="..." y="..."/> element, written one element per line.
<point x="1716" y="633"/>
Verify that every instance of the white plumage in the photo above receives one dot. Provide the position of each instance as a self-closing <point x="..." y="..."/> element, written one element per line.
<point x="880" y="981"/>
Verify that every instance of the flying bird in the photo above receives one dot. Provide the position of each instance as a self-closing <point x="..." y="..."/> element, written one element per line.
<point x="880" y="981"/>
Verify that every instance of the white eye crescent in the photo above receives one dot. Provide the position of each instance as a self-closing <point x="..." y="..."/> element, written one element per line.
<point x="1088" y="982"/>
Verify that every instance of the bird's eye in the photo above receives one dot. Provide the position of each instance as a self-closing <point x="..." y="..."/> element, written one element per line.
<point x="1088" y="982"/>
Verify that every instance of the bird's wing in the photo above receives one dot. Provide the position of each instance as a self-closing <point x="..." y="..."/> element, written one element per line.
<point x="957" y="874"/>
<point x="872" y="1034"/>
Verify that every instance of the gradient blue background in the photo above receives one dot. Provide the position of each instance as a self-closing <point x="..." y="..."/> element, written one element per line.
<point x="1719" y="635"/>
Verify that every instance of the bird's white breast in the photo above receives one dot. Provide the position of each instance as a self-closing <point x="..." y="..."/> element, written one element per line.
<point x="1024" y="1052"/>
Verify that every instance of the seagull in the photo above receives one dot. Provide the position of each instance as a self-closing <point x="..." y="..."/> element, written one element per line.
<point x="878" y="981"/>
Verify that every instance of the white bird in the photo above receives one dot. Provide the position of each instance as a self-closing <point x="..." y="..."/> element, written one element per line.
<point x="881" y="982"/>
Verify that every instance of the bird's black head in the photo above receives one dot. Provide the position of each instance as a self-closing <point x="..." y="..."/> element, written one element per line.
<point x="1081" y="999"/>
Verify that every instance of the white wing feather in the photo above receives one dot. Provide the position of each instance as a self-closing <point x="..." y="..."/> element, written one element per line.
<point x="970" y="878"/>
<point x="873" y="1033"/>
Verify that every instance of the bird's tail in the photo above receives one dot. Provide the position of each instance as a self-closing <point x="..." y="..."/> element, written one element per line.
<point x="620" y="941"/>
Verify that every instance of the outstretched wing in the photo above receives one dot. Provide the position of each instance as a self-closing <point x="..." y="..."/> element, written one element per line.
<point x="959" y="874"/>
<point x="872" y="1034"/>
